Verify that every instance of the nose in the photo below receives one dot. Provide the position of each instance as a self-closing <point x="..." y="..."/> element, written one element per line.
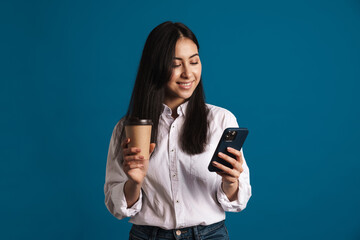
<point x="186" y="73"/>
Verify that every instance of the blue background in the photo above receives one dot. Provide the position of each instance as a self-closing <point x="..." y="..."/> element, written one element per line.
<point x="289" y="71"/>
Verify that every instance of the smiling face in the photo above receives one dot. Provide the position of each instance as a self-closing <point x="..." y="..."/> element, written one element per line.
<point x="186" y="73"/>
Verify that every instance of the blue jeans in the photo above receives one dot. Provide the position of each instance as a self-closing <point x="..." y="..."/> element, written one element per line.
<point x="216" y="231"/>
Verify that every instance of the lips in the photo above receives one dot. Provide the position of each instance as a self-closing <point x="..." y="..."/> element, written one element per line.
<point x="185" y="85"/>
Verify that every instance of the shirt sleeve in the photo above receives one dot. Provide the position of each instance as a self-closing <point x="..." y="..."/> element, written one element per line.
<point x="244" y="190"/>
<point x="115" y="179"/>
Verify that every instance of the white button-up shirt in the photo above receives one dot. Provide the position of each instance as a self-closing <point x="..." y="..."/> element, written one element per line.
<point x="178" y="190"/>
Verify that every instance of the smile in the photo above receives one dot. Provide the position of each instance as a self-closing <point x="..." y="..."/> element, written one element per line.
<point x="185" y="85"/>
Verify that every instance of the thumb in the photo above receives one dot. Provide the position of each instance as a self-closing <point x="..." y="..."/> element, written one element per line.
<point x="152" y="147"/>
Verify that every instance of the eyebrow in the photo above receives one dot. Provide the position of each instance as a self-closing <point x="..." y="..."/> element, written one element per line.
<point x="196" y="54"/>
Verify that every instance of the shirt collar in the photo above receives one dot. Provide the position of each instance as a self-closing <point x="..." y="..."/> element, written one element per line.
<point x="181" y="110"/>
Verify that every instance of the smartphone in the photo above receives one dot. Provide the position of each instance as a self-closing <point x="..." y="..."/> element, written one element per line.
<point x="231" y="137"/>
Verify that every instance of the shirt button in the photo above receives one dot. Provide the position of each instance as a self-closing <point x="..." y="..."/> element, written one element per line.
<point x="174" y="175"/>
<point x="172" y="150"/>
<point x="177" y="201"/>
<point x="178" y="232"/>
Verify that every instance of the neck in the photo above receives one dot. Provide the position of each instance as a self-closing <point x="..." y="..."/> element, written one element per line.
<point x="173" y="105"/>
<point x="174" y="114"/>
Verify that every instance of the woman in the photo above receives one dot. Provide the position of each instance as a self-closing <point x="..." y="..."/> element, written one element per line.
<point x="172" y="195"/>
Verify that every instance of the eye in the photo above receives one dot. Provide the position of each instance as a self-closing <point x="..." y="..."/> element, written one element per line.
<point x="194" y="63"/>
<point x="176" y="65"/>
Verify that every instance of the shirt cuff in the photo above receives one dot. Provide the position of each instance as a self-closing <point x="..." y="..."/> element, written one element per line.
<point x="120" y="204"/>
<point x="226" y="204"/>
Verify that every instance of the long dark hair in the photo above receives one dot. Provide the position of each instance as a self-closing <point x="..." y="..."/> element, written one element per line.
<point x="148" y="95"/>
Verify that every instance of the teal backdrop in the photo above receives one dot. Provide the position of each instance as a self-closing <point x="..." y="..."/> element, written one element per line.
<point x="288" y="70"/>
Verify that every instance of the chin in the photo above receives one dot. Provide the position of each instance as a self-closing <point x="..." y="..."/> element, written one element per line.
<point x="185" y="96"/>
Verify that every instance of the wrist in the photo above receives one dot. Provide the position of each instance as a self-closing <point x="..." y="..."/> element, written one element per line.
<point x="133" y="185"/>
<point x="227" y="184"/>
<point x="230" y="189"/>
<point x="132" y="192"/>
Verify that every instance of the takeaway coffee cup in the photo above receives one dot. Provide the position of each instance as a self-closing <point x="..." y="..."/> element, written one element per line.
<point x="139" y="132"/>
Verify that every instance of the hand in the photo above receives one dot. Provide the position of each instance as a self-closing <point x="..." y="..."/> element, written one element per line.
<point x="230" y="182"/>
<point x="134" y="164"/>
